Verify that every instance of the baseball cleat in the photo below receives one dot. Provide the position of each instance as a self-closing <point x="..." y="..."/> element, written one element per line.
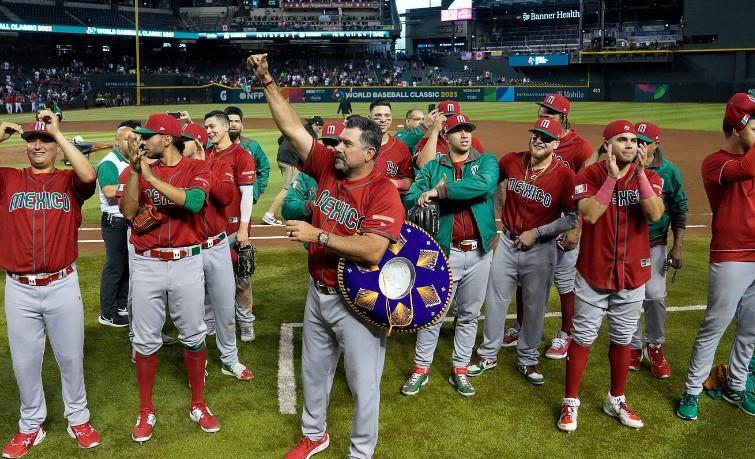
<point x="247" y="333"/>
<point x="635" y="359"/>
<point x="123" y="312"/>
<point x="238" y="370"/>
<point x="688" y="407"/>
<point x="269" y="219"/>
<point x="567" y="420"/>
<point x="532" y="373"/>
<point x="85" y="435"/>
<point x="458" y="379"/>
<point x="510" y="338"/>
<point x="307" y="448"/>
<point x="418" y="379"/>
<point x="202" y="415"/>
<point x="659" y="366"/>
<point x="145" y="423"/>
<point x="21" y="443"/>
<point x="559" y="346"/>
<point x="117" y="321"/>
<point x="743" y="399"/>
<point x="617" y="407"/>
<point x="480" y="365"/>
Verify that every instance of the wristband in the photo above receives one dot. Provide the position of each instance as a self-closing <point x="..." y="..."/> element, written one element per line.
<point x="265" y="85"/>
<point x="646" y="191"/>
<point x="605" y="193"/>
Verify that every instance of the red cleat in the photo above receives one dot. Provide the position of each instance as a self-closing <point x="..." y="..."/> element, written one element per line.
<point x="307" y="448"/>
<point x="635" y="359"/>
<point x="202" y="415"/>
<point x="145" y="422"/>
<point x="22" y="443"/>
<point x="659" y="366"/>
<point x="85" y="435"/>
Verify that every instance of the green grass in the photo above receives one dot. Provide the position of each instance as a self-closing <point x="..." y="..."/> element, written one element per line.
<point x="507" y="416"/>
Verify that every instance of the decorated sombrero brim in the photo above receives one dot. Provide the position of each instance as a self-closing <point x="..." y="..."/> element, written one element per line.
<point x="408" y="291"/>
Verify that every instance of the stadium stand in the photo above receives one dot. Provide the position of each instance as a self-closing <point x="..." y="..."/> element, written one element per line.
<point x="100" y="16"/>
<point x="40" y="12"/>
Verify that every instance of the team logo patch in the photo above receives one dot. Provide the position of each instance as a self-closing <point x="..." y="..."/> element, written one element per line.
<point x="645" y="262"/>
<point x="580" y="189"/>
<point x="474" y="169"/>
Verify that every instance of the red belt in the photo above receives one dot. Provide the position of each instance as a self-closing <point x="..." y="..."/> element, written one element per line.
<point x="325" y="289"/>
<point x="172" y="254"/>
<point x="467" y="245"/>
<point x="213" y="241"/>
<point x="41" y="280"/>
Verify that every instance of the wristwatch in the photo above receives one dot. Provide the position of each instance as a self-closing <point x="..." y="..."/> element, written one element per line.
<point x="323" y="238"/>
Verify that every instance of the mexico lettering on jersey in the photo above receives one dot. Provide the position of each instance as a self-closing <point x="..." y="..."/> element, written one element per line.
<point x="615" y="251"/>
<point x="222" y="187"/>
<point x="244" y="173"/>
<point x="344" y="207"/>
<point x="729" y="184"/>
<point x="395" y="160"/>
<point x="40" y="215"/>
<point x="534" y="197"/>
<point x="573" y="151"/>
<point x="442" y="146"/>
<point x="181" y="227"/>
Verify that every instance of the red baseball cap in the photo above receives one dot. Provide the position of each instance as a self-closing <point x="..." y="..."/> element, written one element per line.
<point x="556" y="102"/>
<point x="739" y="110"/>
<point x="455" y="121"/>
<point x="449" y="107"/>
<point x="35" y="128"/>
<point x="648" y="132"/>
<point x="162" y="123"/>
<point x="549" y="127"/>
<point x="332" y="130"/>
<point x="196" y="132"/>
<point x="617" y="127"/>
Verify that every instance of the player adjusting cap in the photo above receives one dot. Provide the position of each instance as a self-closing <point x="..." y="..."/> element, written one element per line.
<point x="455" y="122"/>
<point x="449" y="107"/>
<point x="36" y="128"/>
<point x="162" y="123"/>
<point x="548" y="127"/>
<point x="332" y="130"/>
<point x="617" y="127"/>
<point x="739" y="110"/>
<point x="196" y="132"/>
<point x="556" y="102"/>
<point x="648" y="132"/>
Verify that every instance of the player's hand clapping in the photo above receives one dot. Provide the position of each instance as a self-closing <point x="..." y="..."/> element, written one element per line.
<point x="611" y="166"/>
<point x="134" y="157"/>
<point x="639" y="161"/>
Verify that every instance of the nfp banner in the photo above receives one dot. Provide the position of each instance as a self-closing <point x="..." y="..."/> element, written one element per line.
<point x="237" y="95"/>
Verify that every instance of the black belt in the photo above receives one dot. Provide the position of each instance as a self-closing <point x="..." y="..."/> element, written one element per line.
<point x="325" y="289"/>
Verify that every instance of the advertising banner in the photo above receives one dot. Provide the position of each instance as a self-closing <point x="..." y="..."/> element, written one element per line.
<point x="539" y="60"/>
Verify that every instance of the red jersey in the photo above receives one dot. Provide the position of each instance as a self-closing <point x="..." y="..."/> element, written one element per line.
<point x="344" y="207"/>
<point x="573" y="151"/>
<point x="181" y="227"/>
<point x="395" y="160"/>
<point x="729" y="181"/>
<point x="40" y="215"/>
<point x="222" y="186"/>
<point x="465" y="226"/>
<point x="244" y="172"/>
<point x="615" y="251"/>
<point x="442" y="146"/>
<point x="534" y="197"/>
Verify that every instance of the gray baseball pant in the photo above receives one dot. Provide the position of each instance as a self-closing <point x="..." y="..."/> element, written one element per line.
<point x="29" y="311"/>
<point x="244" y="313"/>
<point x="566" y="270"/>
<point x="533" y="270"/>
<point x="330" y="328"/>
<point x="655" y="301"/>
<point x="622" y="308"/>
<point x="177" y="284"/>
<point x="470" y="271"/>
<point x="731" y="292"/>
<point x="219" y="299"/>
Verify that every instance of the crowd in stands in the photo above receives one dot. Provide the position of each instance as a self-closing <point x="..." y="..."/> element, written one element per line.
<point x="29" y="87"/>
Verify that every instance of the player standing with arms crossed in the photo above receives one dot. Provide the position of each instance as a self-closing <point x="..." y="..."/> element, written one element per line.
<point x="167" y="271"/>
<point x="616" y="199"/>
<point x="40" y="206"/>
<point x="356" y="215"/>
<point x="729" y="179"/>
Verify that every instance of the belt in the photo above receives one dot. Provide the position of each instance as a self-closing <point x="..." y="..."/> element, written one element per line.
<point x="466" y="245"/>
<point x="43" y="279"/>
<point x="325" y="289"/>
<point x="172" y="254"/>
<point x="213" y="241"/>
<point x="111" y="217"/>
<point x="508" y="234"/>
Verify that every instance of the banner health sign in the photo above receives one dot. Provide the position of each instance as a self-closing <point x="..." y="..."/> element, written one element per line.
<point x="539" y="60"/>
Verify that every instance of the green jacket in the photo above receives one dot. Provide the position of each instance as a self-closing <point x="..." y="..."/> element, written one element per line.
<point x="411" y="137"/>
<point x="298" y="201"/>
<point x="477" y="186"/>
<point x="263" y="166"/>
<point x="674" y="198"/>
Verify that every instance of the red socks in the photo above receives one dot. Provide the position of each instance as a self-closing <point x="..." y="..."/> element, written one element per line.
<point x="576" y="360"/>
<point x="618" y="356"/>
<point x="194" y="361"/>
<point x="519" y="306"/>
<point x="567" y="311"/>
<point x="146" y="368"/>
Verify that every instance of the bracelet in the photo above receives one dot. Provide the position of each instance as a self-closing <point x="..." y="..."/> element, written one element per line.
<point x="265" y="85"/>
<point x="605" y="193"/>
<point x="646" y="191"/>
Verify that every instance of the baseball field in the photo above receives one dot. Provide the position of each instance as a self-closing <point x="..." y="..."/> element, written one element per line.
<point x="507" y="417"/>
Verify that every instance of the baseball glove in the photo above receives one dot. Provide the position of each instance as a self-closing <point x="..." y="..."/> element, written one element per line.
<point x="717" y="378"/>
<point x="246" y="263"/>
<point x="427" y="218"/>
<point x="147" y="218"/>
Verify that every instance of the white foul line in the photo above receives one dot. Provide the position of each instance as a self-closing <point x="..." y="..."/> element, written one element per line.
<point x="287" y="378"/>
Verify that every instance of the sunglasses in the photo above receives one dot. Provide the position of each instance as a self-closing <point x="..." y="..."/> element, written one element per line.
<point x="543" y="138"/>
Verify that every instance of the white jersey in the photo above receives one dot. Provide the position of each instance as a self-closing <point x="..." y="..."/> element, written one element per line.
<point x="110" y="206"/>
